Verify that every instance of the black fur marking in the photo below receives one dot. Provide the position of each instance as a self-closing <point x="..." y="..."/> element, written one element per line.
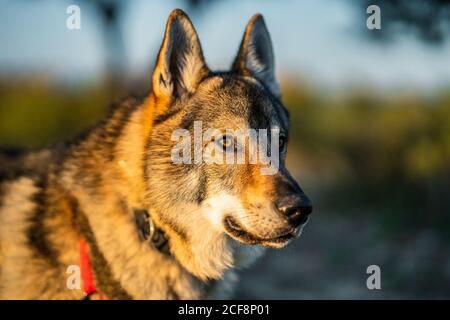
<point x="258" y="119"/>
<point x="112" y="132"/>
<point x="201" y="193"/>
<point x="146" y="159"/>
<point x="11" y="164"/>
<point x="11" y="152"/>
<point x="172" y="294"/>
<point x="37" y="234"/>
<point x="104" y="279"/>
<point x="89" y="177"/>
<point x="188" y="120"/>
<point x="165" y="116"/>
<point x="12" y="172"/>
<point x="261" y="115"/>
<point x="162" y="81"/>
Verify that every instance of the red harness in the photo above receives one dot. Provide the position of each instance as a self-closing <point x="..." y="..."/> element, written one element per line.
<point x="87" y="276"/>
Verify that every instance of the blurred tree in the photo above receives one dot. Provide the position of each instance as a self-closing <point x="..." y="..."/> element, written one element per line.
<point x="111" y="13"/>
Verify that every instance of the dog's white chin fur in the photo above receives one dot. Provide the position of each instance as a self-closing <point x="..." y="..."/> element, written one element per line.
<point x="217" y="206"/>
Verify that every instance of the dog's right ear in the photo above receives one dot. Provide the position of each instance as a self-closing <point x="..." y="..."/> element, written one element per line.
<point x="255" y="56"/>
<point x="180" y="65"/>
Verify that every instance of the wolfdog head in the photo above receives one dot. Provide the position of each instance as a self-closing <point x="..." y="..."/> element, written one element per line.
<point x="204" y="204"/>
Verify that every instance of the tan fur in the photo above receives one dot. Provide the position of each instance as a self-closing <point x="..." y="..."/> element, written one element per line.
<point x="23" y="275"/>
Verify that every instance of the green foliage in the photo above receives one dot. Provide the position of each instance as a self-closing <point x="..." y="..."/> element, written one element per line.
<point x="35" y="113"/>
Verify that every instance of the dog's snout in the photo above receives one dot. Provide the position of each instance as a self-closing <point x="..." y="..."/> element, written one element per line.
<point x="296" y="208"/>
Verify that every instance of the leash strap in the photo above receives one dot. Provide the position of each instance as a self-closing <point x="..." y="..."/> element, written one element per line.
<point x="87" y="277"/>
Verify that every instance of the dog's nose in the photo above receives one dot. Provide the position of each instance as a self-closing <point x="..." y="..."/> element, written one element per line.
<point x="295" y="208"/>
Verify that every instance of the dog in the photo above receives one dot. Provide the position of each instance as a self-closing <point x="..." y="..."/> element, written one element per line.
<point x="140" y="226"/>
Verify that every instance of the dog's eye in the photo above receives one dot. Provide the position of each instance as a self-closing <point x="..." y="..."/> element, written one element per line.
<point x="282" y="142"/>
<point x="225" y="142"/>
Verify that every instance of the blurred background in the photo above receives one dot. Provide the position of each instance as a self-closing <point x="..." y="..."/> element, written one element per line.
<point x="370" y="119"/>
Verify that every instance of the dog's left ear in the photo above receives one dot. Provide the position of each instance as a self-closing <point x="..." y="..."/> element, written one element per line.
<point x="180" y="65"/>
<point x="255" y="57"/>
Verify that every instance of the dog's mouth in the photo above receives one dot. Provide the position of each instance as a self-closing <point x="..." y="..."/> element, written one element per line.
<point x="237" y="232"/>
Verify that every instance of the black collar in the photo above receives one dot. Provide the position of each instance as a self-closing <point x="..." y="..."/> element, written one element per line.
<point x="149" y="232"/>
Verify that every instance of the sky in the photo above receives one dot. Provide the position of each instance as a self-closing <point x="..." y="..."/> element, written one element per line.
<point x="318" y="40"/>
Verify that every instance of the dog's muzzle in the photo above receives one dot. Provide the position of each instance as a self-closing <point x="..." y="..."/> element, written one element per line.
<point x="237" y="232"/>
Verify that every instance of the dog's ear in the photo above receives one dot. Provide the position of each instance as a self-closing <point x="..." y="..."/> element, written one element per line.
<point x="180" y="65"/>
<point x="255" y="57"/>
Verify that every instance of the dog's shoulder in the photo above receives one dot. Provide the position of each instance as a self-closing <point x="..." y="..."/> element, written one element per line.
<point x="20" y="175"/>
